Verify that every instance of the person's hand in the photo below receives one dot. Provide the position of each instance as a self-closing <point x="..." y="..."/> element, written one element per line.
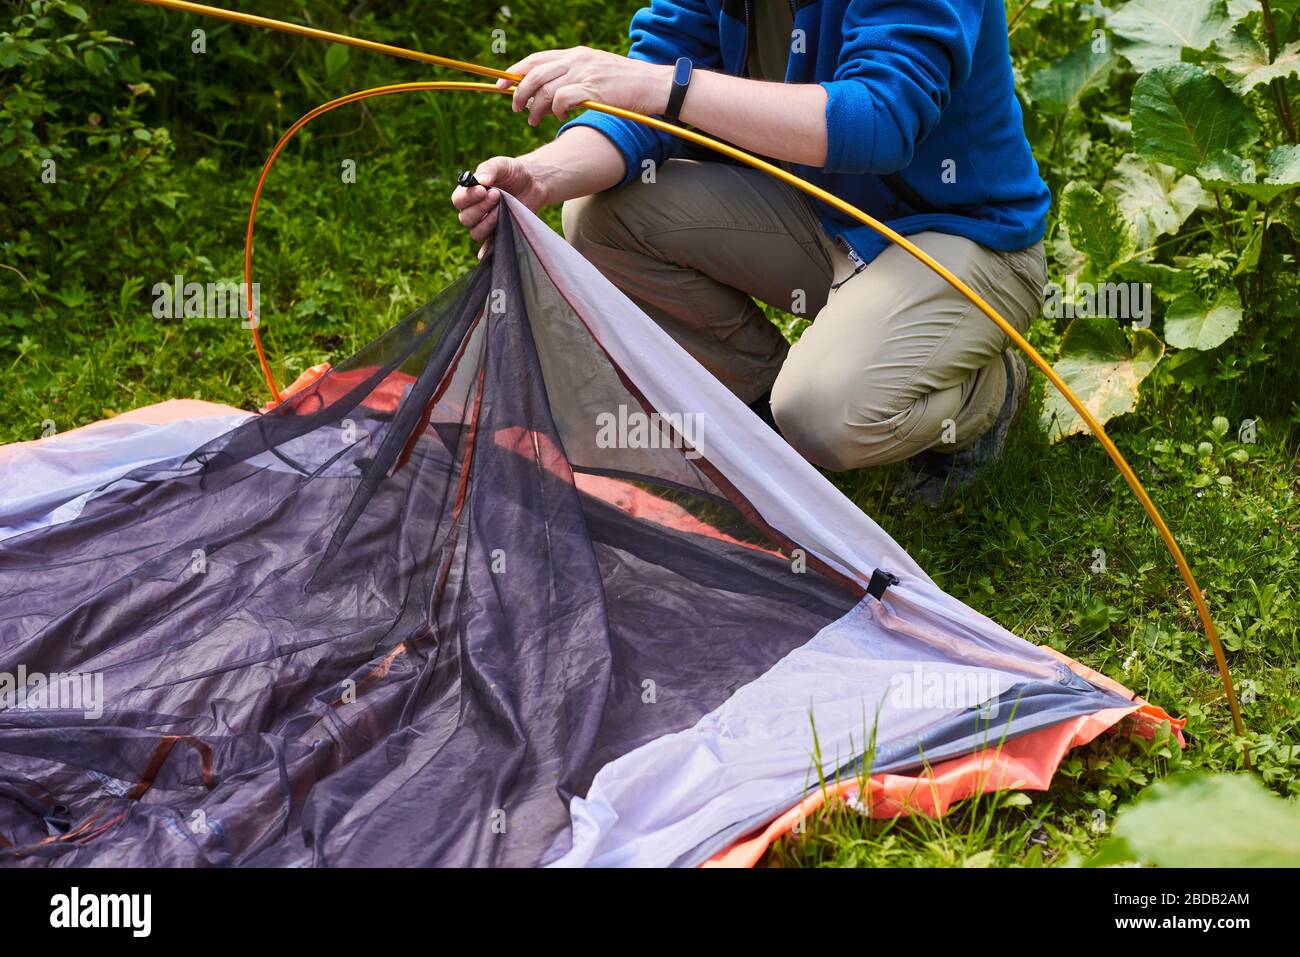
<point x="556" y="81"/>
<point x="479" y="206"/>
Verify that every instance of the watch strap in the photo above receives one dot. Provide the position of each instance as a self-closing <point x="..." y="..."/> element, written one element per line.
<point x="681" y="81"/>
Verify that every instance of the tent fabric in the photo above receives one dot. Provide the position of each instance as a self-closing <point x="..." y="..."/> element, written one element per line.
<point x="1023" y="763"/>
<point x="49" y="481"/>
<point x="749" y="759"/>
<point x="518" y="583"/>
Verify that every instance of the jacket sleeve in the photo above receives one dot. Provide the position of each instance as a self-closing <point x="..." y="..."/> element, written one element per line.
<point x="897" y="67"/>
<point x="661" y="33"/>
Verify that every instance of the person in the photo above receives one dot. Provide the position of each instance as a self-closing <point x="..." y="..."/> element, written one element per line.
<point x="906" y="109"/>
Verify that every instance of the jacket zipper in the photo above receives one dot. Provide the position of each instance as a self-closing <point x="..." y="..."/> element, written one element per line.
<point x="749" y="36"/>
<point x="749" y="33"/>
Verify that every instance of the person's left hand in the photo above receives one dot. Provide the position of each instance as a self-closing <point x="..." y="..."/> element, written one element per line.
<point x="556" y="81"/>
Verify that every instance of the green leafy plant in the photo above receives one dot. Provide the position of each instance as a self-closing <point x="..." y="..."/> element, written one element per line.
<point x="1106" y="364"/>
<point x="1206" y="820"/>
<point x="1199" y="208"/>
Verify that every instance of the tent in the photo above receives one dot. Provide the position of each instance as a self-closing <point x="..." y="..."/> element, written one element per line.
<point x="517" y="584"/>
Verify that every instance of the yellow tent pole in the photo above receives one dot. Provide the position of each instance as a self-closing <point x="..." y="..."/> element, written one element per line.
<point x="266" y="23"/>
<point x="1117" y="457"/>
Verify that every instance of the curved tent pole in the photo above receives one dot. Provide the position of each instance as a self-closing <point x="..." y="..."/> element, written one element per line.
<point x="252" y="318"/>
<point x="816" y="192"/>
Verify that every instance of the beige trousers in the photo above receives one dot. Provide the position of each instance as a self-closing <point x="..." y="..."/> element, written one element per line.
<point x="895" y="361"/>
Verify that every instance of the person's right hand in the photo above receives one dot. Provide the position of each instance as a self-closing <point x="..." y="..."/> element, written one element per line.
<point x="479" y="206"/>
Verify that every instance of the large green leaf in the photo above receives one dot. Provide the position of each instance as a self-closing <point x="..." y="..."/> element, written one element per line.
<point x="1153" y="197"/>
<point x="1154" y="32"/>
<point x="1166" y="282"/>
<point x="1182" y="117"/>
<point x="1229" y="171"/>
<point x="1096" y="228"/>
<point x="1062" y="85"/>
<point x="1202" y="820"/>
<point x="1192" y="323"/>
<point x="1244" y="62"/>
<point x="1104" y="365"/>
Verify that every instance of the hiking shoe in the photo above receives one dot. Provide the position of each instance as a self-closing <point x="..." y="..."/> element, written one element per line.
<point x="932" y="475"/>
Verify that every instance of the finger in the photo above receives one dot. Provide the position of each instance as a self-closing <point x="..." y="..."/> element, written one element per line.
<point x="534" y="59"/>
<point x="473" y="215"/>
<point x="528" y="63"/>
<point x="541" y="104"/>
<point x="487" y="226"/>
<point x="495" y="171"/>
<point x="534" y="81"/>
<point x="568" y="98"/>
<point x="485" y="249"/>
<point x="465" y="197"/>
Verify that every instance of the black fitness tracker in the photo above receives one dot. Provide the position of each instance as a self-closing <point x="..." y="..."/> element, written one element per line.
<point x="681" y="80"/>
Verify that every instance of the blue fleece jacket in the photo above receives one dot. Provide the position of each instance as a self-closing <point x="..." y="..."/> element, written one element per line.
<point x="923" y="127"/>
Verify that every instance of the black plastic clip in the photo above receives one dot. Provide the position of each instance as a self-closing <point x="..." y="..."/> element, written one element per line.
<point x="880" y="580"/>
<point x="466" y="179"/>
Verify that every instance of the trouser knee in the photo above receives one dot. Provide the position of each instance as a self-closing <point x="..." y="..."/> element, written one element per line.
<point x="592" y="225"/>
<point x="823" y="426"/>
